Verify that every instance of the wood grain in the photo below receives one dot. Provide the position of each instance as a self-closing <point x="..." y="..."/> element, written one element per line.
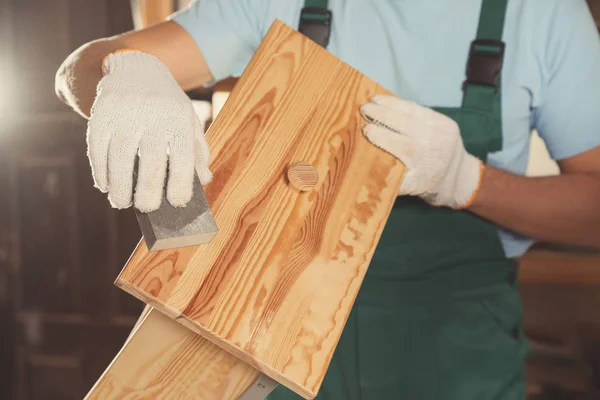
<point x="162" y="360"/>
<point x="303" y="176"/>
<point x="276" y="285"/>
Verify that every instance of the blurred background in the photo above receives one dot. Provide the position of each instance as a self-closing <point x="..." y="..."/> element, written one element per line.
<point x="61" y="246"/>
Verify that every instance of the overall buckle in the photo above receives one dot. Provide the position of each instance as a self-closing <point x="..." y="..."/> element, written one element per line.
<point x="484" y="67"/>
<point x="315" y="23"/>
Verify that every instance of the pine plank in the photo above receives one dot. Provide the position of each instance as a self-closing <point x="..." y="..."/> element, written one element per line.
<point x="275" y="286"/>
<point x="162" y="360"/>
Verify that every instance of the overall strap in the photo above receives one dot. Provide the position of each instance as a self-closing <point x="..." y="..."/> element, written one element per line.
<point x="315" y="21"/>
<point x="486" y="56"/>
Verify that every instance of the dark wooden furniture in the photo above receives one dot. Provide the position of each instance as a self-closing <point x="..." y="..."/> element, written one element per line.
<point x="560" y="288"/>
<point x="61" y="245"/>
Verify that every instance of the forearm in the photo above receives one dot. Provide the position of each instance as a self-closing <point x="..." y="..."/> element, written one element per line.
<point x="561" y="209"/>
<point x="78" y="76"/>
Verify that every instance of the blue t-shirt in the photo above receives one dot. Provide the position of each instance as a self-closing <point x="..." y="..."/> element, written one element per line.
<point x="418" y="50"/>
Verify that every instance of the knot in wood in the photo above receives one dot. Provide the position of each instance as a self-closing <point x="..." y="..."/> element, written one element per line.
<point x="303" y="176"/>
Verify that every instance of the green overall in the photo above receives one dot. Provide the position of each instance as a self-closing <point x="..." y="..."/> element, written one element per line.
<point x="438" y="316"/>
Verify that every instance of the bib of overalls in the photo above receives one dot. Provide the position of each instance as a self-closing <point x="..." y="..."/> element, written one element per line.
<point x="438" y="316"/>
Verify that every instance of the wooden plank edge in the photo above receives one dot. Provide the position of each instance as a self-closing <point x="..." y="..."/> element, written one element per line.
<point x="141" y="371"/>
<point x="137" y="326"/>
<point x="221" y="342"/>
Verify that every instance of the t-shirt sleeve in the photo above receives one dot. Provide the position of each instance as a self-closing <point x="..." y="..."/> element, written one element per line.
<point x="227" y="32"/>
<point x="568" y="116"/>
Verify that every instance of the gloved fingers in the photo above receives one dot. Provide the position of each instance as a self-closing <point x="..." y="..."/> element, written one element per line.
<point x="98" y="138"/>
<point x="411" y="186"/>
<point x="392" y="102"/>
<point x="202" y="156"/>
<point x="151" y="172"/>
<point x="415" y="117"/>
<point x="394" y="119"/>
<point x="417" y="111"/>
<point x="121" y="161"/>
<point x="400" y="146"/>
<point x="181" y="167"/>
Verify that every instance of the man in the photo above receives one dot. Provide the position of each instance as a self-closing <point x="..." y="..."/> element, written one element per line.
<point x="439" y="314"/>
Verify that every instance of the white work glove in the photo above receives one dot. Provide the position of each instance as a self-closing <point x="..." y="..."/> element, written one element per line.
<point x="140" y="108"/>
<point x="439" y="169"/>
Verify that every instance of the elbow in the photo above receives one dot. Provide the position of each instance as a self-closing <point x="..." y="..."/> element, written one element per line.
<point x="593" y="222"/>
<point x="596" y="231"/>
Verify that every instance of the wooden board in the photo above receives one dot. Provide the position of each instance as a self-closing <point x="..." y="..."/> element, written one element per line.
<point x="162" y="360"/>
<point x="276" y="285"/>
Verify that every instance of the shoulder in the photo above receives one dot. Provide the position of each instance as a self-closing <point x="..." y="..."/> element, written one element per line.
<point x="568" y="57"/>
<point x="541" y="18"/>
<point x="543" y="34"/>
<point x="545" y="9"/>
<point x="258" y="13"/>
<point x="287" y="11"/>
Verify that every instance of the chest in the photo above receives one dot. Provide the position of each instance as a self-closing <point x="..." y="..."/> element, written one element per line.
<point x="419" y="49"/>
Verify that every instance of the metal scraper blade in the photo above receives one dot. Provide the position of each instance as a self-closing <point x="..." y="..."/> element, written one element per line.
<point x="259" y="389"/>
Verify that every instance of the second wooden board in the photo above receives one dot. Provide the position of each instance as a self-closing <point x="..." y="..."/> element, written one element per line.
<point x="276" y="285"/>
<point x="162" y="360"/>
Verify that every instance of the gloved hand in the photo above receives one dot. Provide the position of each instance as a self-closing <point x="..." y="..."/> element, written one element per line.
<point x="439" y="169"/>
<point x="140" y="108"/>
